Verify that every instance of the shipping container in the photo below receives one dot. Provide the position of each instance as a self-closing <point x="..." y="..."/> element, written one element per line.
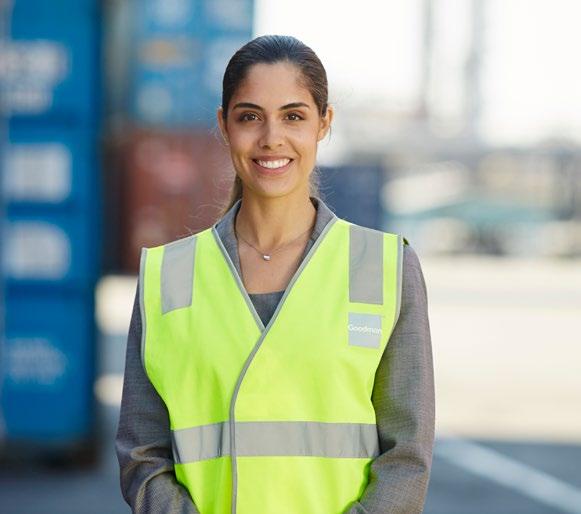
<point x="50" y="64"/>
<point x="178" y="53"/>
<point x="48" y="371"/>
<point x="50" y="249"/>
<point x="51" y="226"/>
<point x="174" y="184"/>
<point x="50" y="166"/>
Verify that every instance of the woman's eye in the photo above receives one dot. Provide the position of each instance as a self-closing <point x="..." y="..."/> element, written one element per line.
<point x="250" y="116"/>
<point x="244" y="117"/>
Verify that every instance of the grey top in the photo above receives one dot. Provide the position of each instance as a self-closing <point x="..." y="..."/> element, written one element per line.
<point x="403" y="398"/>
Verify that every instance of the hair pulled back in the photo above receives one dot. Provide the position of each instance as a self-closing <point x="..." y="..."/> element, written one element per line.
<point x="272" y="49"/>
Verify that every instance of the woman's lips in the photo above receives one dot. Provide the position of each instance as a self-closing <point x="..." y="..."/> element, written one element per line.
<point x="272" y="171"/>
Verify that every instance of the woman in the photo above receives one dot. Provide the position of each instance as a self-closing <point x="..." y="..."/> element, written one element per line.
<point x="280" y="361"/>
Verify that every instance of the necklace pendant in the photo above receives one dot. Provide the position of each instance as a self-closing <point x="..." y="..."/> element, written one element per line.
<point x="266" y="257"/>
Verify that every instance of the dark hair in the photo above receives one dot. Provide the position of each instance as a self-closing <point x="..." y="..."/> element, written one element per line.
<point x="272" y="49"/>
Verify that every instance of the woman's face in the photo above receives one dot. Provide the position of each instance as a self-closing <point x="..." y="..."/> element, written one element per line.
<point x="273" y="127"/>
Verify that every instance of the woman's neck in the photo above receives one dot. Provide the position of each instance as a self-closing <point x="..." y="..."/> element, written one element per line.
<point x="271" y="222"/>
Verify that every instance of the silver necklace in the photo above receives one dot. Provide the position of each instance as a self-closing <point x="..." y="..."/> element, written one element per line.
<point x="267" y="256"/>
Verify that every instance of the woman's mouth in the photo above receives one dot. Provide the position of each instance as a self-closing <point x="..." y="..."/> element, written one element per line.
<point x="272" y="167"/>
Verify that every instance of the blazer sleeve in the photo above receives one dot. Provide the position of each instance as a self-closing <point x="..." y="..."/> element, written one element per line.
<point x="143" y="440"/>
<point x="403" y="397"/>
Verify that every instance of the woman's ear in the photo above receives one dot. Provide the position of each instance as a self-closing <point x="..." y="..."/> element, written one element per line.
<point x="326" y="122"/>
<point x="222" y="125"/>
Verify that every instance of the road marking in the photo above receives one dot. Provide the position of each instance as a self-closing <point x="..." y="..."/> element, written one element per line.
<point x="497" y="467"/>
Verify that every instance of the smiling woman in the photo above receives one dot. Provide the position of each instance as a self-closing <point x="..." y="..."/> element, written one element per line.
<point x="273" y="138"/>
<point x="273" y="128"/>
<point x="275" y="362"/>
<point x="274" y="107"/>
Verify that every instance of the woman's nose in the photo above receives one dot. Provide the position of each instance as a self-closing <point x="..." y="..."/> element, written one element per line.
<point x="272" y="135"/>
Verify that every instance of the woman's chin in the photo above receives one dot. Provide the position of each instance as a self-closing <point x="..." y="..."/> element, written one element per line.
<point x="274" y="189"/>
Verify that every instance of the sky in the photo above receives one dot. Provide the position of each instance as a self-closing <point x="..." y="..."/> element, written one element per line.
<point x="530" y="80"/>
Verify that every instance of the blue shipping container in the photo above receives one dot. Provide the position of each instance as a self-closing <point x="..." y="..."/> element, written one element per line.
<point x="51" y="165"/>
<point x="51" y="225"/>
<point x="48" y="365"/>
<point x="51" y="65"/>
<point x="179" y="53"/>
<point x="51" y="249"/>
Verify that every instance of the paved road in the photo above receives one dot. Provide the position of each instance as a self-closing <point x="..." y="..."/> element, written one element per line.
<point x="508" y="380"/>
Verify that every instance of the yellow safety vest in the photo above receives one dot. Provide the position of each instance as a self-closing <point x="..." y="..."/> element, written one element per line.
<point x="274" y="419"/>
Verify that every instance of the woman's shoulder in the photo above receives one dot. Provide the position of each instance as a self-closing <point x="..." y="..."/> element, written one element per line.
<point x="413" y="277"/>
<point x="410" y="255"/>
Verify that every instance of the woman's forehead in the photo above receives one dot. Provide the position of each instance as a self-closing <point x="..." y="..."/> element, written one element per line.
<point x="275" y="84"/>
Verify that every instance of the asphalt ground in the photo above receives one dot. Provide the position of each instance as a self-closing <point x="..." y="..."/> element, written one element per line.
<point x="507" y="356"/>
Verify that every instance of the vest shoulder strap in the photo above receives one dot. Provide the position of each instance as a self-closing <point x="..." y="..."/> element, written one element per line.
<point x="371" y="254"/>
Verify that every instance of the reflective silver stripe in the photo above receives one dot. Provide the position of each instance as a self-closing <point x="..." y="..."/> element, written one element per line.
<point x="200" y="443"/>
<point x="277" y="438"/>
<point x="365" y="265"/>
<point x="177" y="274"/>
<point x="306" y="438"/>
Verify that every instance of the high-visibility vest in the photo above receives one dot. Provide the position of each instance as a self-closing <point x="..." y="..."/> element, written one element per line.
<point x="275" y="419"/>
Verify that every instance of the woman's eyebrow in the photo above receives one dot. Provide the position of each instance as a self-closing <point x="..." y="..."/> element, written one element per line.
<point x="248" y="105"/>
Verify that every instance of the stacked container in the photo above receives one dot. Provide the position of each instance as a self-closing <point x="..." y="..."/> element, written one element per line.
<point x="171" y="170"/>
<point x="51" y="228"/>
<point x="174" y="184"/>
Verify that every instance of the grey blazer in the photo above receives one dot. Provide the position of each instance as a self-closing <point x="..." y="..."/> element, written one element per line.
<point x="403" y="398"/>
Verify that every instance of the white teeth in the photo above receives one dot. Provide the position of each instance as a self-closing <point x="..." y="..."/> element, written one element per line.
<point x="274" y="164"/>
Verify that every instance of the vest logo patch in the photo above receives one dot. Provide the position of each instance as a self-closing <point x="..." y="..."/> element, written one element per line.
<point x="364" y="330"/>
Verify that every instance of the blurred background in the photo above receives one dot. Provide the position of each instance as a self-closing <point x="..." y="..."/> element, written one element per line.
<point x="458" y="124"/>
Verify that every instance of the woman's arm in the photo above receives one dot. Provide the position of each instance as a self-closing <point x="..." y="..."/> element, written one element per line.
<point x="143" y="442"/>
<point x="403" y="396"/>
